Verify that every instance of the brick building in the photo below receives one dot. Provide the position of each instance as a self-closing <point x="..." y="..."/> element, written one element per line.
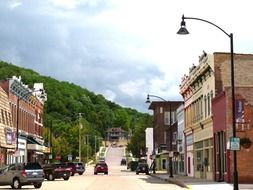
<point x="222" y="107"/>
<point x="208" y="120"/>
<point x="165" y="132"/>
<point x="27" y="116"/>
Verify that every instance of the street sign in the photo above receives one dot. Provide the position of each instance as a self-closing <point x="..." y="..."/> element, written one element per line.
<point x="234" y="143"/>
<point x="16" y="154"/>
<point x="70" y="157"/>
<point x="58" y="157"/>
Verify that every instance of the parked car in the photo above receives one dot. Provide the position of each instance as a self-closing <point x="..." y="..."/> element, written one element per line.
<point x="142" y="168"/>
<point x="101" y="168"/>
<point x="80" y="167"/>
<point x="17" y="175"/>
<point x="56" y="171"/>
<point x="71" y="167"/>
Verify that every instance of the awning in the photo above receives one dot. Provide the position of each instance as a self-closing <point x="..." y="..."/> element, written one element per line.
<point x="31" y="140"/>
<point x="33" y="144"/>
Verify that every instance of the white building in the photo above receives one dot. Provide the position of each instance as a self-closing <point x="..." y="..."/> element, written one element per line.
<point x="181" y="164"/>
<point x="149" y="145"/>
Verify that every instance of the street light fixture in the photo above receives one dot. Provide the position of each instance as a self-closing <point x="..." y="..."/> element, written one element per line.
<point x="170" y="158"/>
<point x="184" y="31"/>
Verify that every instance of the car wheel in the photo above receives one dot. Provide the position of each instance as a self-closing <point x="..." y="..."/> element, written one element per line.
<point x="50" y="177"/>
<point x="72" y="173"/>
<point x="81" y="173"/>
<point x="37" y="185"/>
<point x="16" y="184"/>
<point x="95" y="173"/>
<point x="106" y="173"/>
<point x="147" y="173"/>
<point x="66" y="178"/>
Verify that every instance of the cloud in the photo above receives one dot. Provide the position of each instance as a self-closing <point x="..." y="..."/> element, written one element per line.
<point x="121" y="49"/>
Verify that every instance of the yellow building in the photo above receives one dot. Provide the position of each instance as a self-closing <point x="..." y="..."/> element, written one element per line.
<point x="7" y="132"/>
<point x="197" y="90"/>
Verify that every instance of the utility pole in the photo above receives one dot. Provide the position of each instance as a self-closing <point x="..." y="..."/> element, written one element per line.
<point x="87" y="156"/>
<point x="95" y="148"/>
<point x="80" y="127"/>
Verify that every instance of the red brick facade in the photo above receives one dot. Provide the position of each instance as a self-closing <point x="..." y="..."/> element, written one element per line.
<point x="222" y="114"/>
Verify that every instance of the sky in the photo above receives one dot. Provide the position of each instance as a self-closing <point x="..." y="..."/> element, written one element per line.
<point x="122" y="49"/>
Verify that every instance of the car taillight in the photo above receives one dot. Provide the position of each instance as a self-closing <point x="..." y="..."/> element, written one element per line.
<point x="23" y="173"/>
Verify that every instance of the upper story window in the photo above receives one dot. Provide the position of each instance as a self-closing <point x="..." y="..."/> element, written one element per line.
<point x="166" y="118"/>
<point x="208" y="104"/>
<point x="170" y="118"/>
<point x="161" y="109"/>
<point x="205" y="104"/>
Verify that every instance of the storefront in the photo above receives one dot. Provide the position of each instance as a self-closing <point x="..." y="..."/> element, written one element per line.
<point x="203" y="152"/>
<point x="34" y="150"/>
<point x="162" y="161"/>
<point x="189" y="155"/>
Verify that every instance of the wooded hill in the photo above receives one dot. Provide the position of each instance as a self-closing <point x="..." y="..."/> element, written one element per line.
<point x="61" y="111"/>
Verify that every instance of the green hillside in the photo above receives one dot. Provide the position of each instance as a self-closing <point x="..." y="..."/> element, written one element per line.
<point x="65" y="102"/>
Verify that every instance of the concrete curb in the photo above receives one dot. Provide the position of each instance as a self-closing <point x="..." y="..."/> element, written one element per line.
<point x="171" y="180"/>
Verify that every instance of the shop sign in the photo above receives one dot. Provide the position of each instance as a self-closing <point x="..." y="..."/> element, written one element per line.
<point x="8" y="136"/>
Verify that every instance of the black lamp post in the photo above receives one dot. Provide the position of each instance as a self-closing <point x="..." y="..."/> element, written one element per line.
<point x="170" y="158"/>
<point x="184" y="31"/>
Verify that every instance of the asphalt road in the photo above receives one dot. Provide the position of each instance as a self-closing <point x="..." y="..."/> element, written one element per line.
<point x="119" y="178"/>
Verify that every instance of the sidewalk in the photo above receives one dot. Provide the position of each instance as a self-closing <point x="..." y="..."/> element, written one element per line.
<point x="199" y="184"/>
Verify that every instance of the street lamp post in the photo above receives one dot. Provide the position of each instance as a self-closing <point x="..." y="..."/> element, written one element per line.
<point x="170" y="158"/>
<point x="184" y="31"/>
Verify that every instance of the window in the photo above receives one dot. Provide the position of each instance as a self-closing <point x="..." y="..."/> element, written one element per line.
<point x="2" y="115"/>
<point x="205" y="106"/>
<point x="165" y="137"/>
<point x="208" y="104"/>
<point x="161" y="109"/>
<point x="6" y="117"/>
<point x="166" y="118"/>
<point x="173" y="117"/>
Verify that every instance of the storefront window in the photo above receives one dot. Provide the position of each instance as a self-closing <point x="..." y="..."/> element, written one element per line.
<point x="199" y="158"/>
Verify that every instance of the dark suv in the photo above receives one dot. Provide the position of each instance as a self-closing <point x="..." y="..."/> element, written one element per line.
<point x="56" y="171"/>
<point x="80" y="167"/>
<point x="17" y="175"/>
<point x="142" y="168"/>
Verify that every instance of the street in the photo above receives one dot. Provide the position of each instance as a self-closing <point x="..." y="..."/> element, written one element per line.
<point x="118" y="179"/>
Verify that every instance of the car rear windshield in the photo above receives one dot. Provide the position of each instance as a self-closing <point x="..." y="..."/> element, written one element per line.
<point x="102" y="165"/>
<point x="32" y="166"/>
